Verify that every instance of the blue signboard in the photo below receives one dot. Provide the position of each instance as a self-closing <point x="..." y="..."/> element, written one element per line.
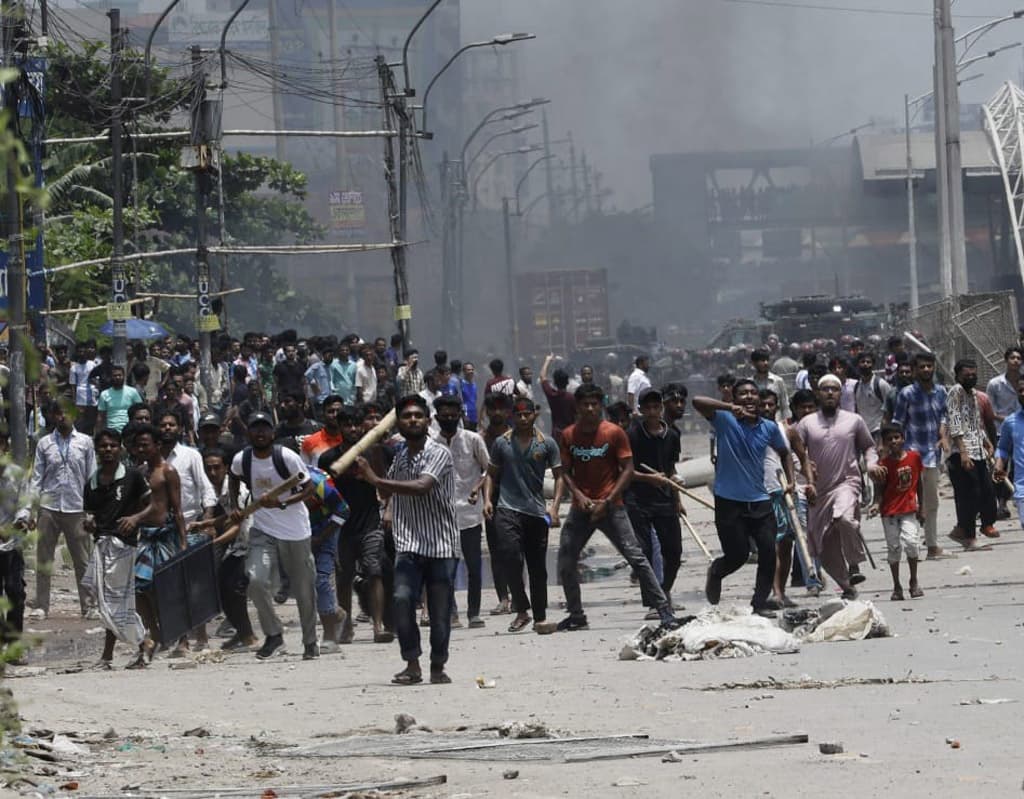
<point x="32" y="114"/>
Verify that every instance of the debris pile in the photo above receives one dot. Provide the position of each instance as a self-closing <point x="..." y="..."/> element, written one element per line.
<point x="714" y="634"/>
<point x="718" y="633"/>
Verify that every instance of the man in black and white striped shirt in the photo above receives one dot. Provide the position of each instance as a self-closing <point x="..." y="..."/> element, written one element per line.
<point x="421" y="488"/>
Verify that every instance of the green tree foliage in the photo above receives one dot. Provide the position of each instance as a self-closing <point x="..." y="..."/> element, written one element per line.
<point x="263" y="201"/>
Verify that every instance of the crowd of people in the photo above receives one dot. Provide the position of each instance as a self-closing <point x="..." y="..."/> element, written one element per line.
<point x="284" y="465"/>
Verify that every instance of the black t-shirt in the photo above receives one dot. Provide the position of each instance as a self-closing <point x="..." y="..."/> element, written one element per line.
<point x="288" y="434"/>
<point x="363" y="505"/>
<point x="660" y="452"/>
<point x="109" y="503"/>
<point x="291" y="378"/>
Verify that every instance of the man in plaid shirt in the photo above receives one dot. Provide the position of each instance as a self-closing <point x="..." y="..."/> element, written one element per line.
<point x="921" y="412"/>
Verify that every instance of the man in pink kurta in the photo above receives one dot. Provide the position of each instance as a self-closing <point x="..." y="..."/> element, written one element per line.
<point x="835" y="439"/>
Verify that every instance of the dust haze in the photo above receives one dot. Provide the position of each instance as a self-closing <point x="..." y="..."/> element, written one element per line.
<point x="631" y="79"/>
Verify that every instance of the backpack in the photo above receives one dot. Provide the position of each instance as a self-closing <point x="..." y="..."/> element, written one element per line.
<point x="276" y="455"/>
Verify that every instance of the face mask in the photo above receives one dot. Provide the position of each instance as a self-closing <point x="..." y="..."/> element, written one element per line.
<point x="969" y="382"/>
<point x="448" y="426"/>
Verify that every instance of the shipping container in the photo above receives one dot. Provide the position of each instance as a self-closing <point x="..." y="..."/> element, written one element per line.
<point x="562" y="311"/>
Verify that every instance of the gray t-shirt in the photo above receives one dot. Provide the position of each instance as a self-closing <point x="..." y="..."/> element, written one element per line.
<point x="522" y="471"/>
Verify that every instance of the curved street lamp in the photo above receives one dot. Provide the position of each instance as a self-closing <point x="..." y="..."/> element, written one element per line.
<point x="518" y="151"/>
<point x="498" y="135"/>
<point x="519" y="108"/>
<point x="499" y="40"/>
<point x="526" y="174"/>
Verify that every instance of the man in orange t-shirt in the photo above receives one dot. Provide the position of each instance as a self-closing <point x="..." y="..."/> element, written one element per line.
<point x="598" y="465"/>
<point x="328" y="436"/>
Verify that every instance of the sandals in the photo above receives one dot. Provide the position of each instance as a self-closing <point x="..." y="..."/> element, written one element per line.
<point x="519" y="624"/>
<point x="407" y="678"/>
<point x="439" y="678"/>
<point x="383" y="637"/>
<point x="138" y="663"/>
<point x="916" y="592"/>
<point x="897" y="595"/>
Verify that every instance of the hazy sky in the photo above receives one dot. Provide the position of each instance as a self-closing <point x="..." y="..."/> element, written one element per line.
<point x="652" y="76"/>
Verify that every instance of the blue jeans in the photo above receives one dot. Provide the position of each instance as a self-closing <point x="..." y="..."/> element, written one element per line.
<point x="324" y="555"/>
<point x="412" y="572"/>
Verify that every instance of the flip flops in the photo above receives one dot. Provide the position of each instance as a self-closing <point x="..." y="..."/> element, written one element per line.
<point x="519" y="624"/>
<point x="407" y="678"/>
<point x="439" y="678"/>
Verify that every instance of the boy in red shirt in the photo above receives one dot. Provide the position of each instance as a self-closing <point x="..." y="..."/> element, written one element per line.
<point x="901" y="506"/>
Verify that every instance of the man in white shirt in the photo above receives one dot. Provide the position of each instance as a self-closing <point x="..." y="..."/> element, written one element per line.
<point x="65" y="460"/>
<point x="366" y="375"/>
<point x="1002" y="389"/>
<point x="280" y="535"/>
<point x="764" y="378"/>
<point x="198" y="499"/>
<point x="86" y="394"/>
<point x="638" y="381"/>
<point x="469" y="455"/>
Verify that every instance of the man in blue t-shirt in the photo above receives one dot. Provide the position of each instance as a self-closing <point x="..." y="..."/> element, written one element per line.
<point x="743" y="510"/>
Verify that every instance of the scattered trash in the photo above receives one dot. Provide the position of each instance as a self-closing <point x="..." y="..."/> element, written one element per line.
<point x="197" y="732"/>
<point x="182" y="665"/>
<point x="524" y="729"/>
<point x="979" y="701"/>
<point x="953" y="743"/>
<point x="63" y="745"/>
<point x="963" y="571"/>
<point x="509" y="774"/>
<point x="627" y="782"/>
<point x="855" y="621"/>
<point x="403" y="723"/>
<point x="714" y="634"/>
<point x="95" y="630"/>
<point x="833" y="748"/>
<point x="110" y="734"/>
<point x="484" y="683"/>
<point x="69" y="786"/>
<point x="673" y="757"/>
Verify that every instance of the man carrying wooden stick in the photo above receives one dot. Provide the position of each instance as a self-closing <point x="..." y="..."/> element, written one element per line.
<point x="743" y="510"/>
<point x="280" y="535"/>
<point x="421" y="487"/>
<point x="652" y="506"/>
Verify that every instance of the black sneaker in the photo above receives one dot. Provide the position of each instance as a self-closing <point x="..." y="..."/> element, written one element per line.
<point x="856" y="578"/>
<point x="311" y="651"/>
<point x="713" y="587"/>
<point x="765" y="612"/>
<point x="274" y="644"/>
<point x="281" y="597"/>
<point x="572" y="623"/>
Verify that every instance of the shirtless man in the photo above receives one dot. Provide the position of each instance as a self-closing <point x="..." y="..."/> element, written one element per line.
<point x="161" y="529"/>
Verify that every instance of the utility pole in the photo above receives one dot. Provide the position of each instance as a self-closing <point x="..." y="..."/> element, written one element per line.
<point x="941" y="171"/>
<point x="955" y="197"/>
<point x="586" y="183"/>
<point x="205" y="129"/>
<point x="549" y="186"/>
<point x="275" y="96"/>
<point x="911" y="220"/>
<point x="575" y="210"/>
<point x="12" y="18"/>
<point x="340" y="151"/>
<point x="119" y="311"/>
<point x="448" y="309"/>
<point x="513" y="322"/>
<point x="394" y="115"/>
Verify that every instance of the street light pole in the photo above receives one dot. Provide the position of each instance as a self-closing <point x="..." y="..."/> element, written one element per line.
<point x="941" y="171"/>
<point x="911" y="218"/>
<point x="499" y="40"/>
<point x="513" y="323"/>
<point x="955" y="206"/>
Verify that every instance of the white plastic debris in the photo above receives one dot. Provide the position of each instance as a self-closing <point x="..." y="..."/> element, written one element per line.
<point x="855" y="622"/>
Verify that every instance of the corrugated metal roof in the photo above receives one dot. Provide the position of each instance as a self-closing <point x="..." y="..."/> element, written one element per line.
<point x="884" y="156"/>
